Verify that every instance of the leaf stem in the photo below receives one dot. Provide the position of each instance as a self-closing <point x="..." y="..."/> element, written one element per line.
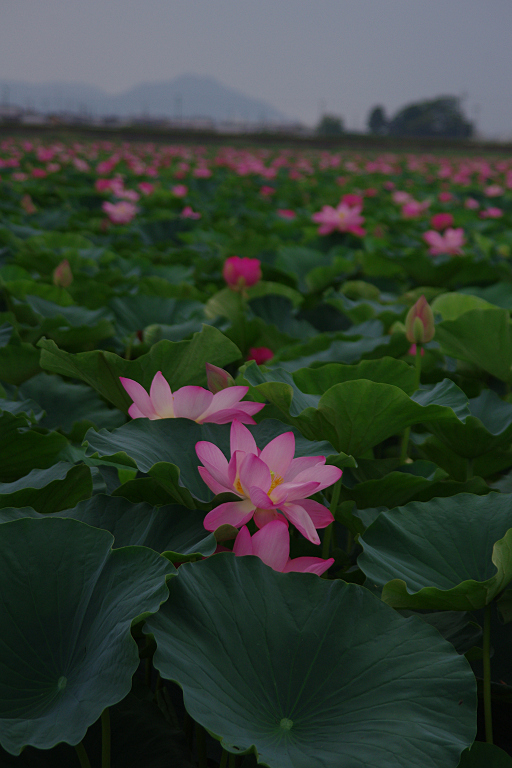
<point x="200" y="746"/>
<point x="326" y="544"/>
<point x="188" y="730"/>
<point x="487" y="674"/>
<point x="417" y="379"/>
<point x="224" y="759"/>
<point x="417" y="366"/>
<point x="105" y="738"/>
<point x="82" y="755"/>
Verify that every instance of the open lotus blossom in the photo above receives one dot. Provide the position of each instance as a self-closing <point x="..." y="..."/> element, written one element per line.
<point x="343" y="218"/>
<point x="189" y="213"/>
<point x="267" y="482"/>
<point x="119" y="213"/>
<point x="413" y="209"/>
<point x="450" y="242"/>
<point x="491" y="213"/>
<point x="272" y="545"/>
<point x="189" y="402"/>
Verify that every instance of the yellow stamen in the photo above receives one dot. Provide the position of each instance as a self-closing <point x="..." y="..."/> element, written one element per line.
<point x="238" y="487"/>
<point x="275" y="481"/>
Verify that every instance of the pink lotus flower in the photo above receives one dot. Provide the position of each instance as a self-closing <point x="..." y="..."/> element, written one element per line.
<point x="62" y="274"/>
<point x="494" y="190"/>
<point x="272" y="545"/>
<point x="189" y="213"/>
<point x="266" y="481"/>
<point x="179" y="190"/>
<point x="414" y="209"/>
<point x="441" y="221"/>
<point x="119" y="213"/>
<point x="201" y="172"/>
<point x="352" y="199"/>
<point x="267" y="191"/>
<point x="195" y="403"/>
<point x="286" y="213"/>
<point x="343" y="218"/>
<point x="491" y="213"/>
<point x="471" y="203"/>
<point x="260" y="354"/>
<point x="146" y="187"/>
<point x="445" y="197"/>
<point x="451" y="242"/>
<point x="240" y="273"/>
<point x="400" y="197"/>
<point x="28" y="205"/>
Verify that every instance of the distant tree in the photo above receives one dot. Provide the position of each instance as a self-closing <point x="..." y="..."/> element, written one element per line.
<point x="330" y="125"/>
<point x="377" y="121"/>
<point x="437" y="117"/>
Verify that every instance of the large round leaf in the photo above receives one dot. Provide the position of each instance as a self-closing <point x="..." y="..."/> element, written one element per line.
<point x="485" y="756"/>
<point x="356" y="414"/>
<point x="452" y="553"/>
<point x="181" y="363"/>
<point x="67" y="603"/>
<point x="489" y="427"/>
<point x="171" y="529"/>
<point x="482" y="337"/>
<point x="308" y="673"/>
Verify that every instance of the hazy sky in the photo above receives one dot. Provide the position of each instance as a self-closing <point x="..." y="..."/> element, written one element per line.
<point x="303" y="56"/>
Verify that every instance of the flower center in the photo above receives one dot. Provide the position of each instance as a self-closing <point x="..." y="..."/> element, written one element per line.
<point x="238" y="487"/>
<point x="275" y="481"/>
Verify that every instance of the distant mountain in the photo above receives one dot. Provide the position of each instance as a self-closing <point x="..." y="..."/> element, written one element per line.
<point x="187" y="96"/>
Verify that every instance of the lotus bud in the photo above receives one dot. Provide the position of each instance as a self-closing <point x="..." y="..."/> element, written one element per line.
<point x="151" y="334"/>
<point x="62" y="274"/>
<point x="28" y="205"/>
<point x="218" y="378"/>
<point x="419" y="323"/>
<point x="240" y="273"/>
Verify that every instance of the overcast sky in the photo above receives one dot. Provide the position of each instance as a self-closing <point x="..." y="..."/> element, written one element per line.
<point x="302" y="56"/>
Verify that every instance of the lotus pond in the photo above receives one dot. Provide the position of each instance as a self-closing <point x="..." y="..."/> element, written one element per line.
<point x="256" y="475"/>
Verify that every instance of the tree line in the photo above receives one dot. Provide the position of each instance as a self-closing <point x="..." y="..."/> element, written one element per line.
<point x="439" y="117"/>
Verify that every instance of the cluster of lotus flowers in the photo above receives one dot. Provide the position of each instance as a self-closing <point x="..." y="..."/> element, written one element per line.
<point x="271" y="485"/>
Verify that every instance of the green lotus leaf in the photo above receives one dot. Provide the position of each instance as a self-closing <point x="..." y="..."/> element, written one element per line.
<point x="22" y="449"/>
<point x="487" y="428"/>
<point x="134" y="313"/>
<point x="308" y="673"/>
<point x="398" y="488"/>
<point x="66" y="651"/>
<point x="48" y="490"/>
<point x="181" y="363"/>
<point x="482" y="337"/>
<point x="447" y="554"/>
<point x="18" y="361"/>
<point x="482" y="755"/>
<point x="452" y="305"/>
<point x="356" y="415"/>
<point x="175" y="530"/>
<point x="70" y="405"/>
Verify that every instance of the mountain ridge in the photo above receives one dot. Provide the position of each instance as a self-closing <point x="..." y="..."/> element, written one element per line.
<point x="185" y="96"/>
